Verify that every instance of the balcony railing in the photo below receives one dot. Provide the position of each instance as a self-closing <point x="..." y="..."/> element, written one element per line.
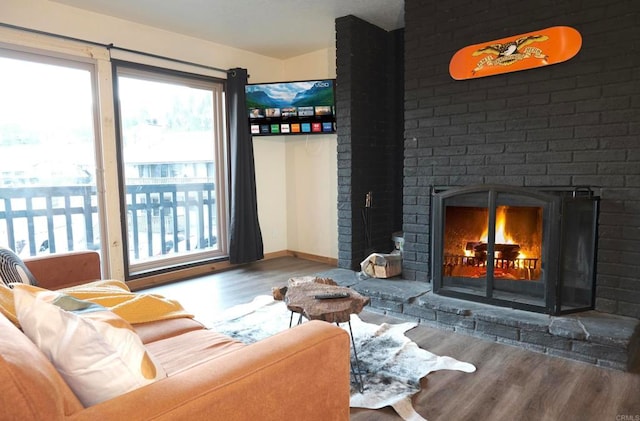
<point x="161" y="218"/>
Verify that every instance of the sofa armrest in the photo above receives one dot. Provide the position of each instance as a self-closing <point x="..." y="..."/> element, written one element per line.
<point x="55" y="271"/>
<point x="301" y="373"/>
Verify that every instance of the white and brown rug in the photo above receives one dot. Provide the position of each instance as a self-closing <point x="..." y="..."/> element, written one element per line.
<point x="391" y="364"/>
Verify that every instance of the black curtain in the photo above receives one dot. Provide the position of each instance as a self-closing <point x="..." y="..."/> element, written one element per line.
<point x="245" y="238"/>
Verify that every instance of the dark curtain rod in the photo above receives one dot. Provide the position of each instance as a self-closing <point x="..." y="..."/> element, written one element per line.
<point x="111" y="47"/>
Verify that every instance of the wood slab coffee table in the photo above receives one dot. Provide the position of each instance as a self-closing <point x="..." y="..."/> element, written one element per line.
<point x="302" y="299"/>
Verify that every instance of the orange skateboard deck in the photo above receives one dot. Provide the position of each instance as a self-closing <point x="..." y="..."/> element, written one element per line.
<point x="519" y="52"/>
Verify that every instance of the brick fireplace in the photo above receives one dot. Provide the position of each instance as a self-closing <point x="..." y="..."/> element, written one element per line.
<point x="563" y="126"/>
<point x="572" y="124"/>
<point x="567" y="125"/>
<point x="525" y="248"/>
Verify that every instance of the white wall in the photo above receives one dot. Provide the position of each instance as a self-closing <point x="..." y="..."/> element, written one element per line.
<point x="296" y="176"/>
<point x="311" y="194"/>
<point x="271" y="183"/>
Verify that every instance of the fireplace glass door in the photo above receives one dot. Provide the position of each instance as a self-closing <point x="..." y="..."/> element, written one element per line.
<point x="516" y="247"/>
<point x="494" y="245"/>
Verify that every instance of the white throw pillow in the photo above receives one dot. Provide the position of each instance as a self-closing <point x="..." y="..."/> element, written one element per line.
<point x="97" y="352"/>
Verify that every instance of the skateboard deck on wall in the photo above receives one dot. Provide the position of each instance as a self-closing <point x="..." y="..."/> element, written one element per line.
<point x="519" y="52"/>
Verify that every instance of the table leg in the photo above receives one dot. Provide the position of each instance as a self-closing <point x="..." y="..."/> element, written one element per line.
<point x="291" y="319"/>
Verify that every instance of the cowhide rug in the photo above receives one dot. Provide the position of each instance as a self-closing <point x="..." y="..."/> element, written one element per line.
<point x="391" y="364"/>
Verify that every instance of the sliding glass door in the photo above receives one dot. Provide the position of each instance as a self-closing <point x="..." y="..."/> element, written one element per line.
<point x="173" y="149"/>
<point x="48" y="200"/>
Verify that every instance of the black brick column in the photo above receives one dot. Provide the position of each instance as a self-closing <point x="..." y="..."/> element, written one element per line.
<point x="370" y="136"/>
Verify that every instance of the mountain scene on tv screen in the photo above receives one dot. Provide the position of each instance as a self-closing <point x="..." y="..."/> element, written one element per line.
<point x="292" y="94"/>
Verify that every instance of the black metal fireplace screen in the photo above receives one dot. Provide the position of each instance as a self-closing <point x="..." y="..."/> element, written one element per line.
<point x="532" y="249"/>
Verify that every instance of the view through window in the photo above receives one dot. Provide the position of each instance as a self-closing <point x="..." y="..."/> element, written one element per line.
<point x="48" y="200"/>
<point x="172" y="143"/>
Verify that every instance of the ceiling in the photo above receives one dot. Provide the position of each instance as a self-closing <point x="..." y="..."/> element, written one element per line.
<point x="274" y="28"/>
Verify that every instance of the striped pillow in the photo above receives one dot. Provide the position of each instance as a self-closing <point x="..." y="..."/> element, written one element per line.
<point x="13" y="269"/>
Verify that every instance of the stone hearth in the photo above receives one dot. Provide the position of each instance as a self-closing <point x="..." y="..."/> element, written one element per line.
<point x="592" y="337"/>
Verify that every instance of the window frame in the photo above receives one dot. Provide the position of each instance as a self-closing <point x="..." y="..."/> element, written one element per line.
<point x="221" y="173"/>
<point x="77" y="62"/>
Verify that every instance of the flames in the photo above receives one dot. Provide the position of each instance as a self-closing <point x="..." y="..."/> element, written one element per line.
<point x="516" y="242"/>
<point x="502" y="236"/>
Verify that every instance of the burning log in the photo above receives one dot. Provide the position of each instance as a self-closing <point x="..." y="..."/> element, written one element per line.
<point x="502" y="251"/>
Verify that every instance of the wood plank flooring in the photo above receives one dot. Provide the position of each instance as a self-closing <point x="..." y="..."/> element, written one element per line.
<point x="209" y="295"/>
<point x="510" y="383"/>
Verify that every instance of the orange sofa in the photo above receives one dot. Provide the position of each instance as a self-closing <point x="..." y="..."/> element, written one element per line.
<point x="300" y="374"/>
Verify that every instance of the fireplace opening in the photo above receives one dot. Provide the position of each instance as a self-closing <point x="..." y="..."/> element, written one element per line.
<point x="517" y="242"/>
<point x="518" y="247"/>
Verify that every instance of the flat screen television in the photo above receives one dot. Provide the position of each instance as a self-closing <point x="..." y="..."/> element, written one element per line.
<point x="291" y="108"/>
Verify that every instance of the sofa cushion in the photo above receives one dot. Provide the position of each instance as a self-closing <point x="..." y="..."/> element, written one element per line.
<point x="60" y="270"/>
<point x="97" y="352"/>
<point x="182" y="352"/>
<point x="13" y="269"/>
<point x="162" y="329"/>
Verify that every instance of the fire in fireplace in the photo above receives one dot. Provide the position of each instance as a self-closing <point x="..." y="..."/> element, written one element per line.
<point x="517" y="245"/>
<point x="524" y="248"/>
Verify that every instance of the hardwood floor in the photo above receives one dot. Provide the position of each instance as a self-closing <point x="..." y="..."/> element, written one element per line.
<point x="209" y="295"/>
<point x="510" y="383"/>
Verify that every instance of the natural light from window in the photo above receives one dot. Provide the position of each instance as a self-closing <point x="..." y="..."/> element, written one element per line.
<point x="171" y="143"/>
<point x="47" y="159"/>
